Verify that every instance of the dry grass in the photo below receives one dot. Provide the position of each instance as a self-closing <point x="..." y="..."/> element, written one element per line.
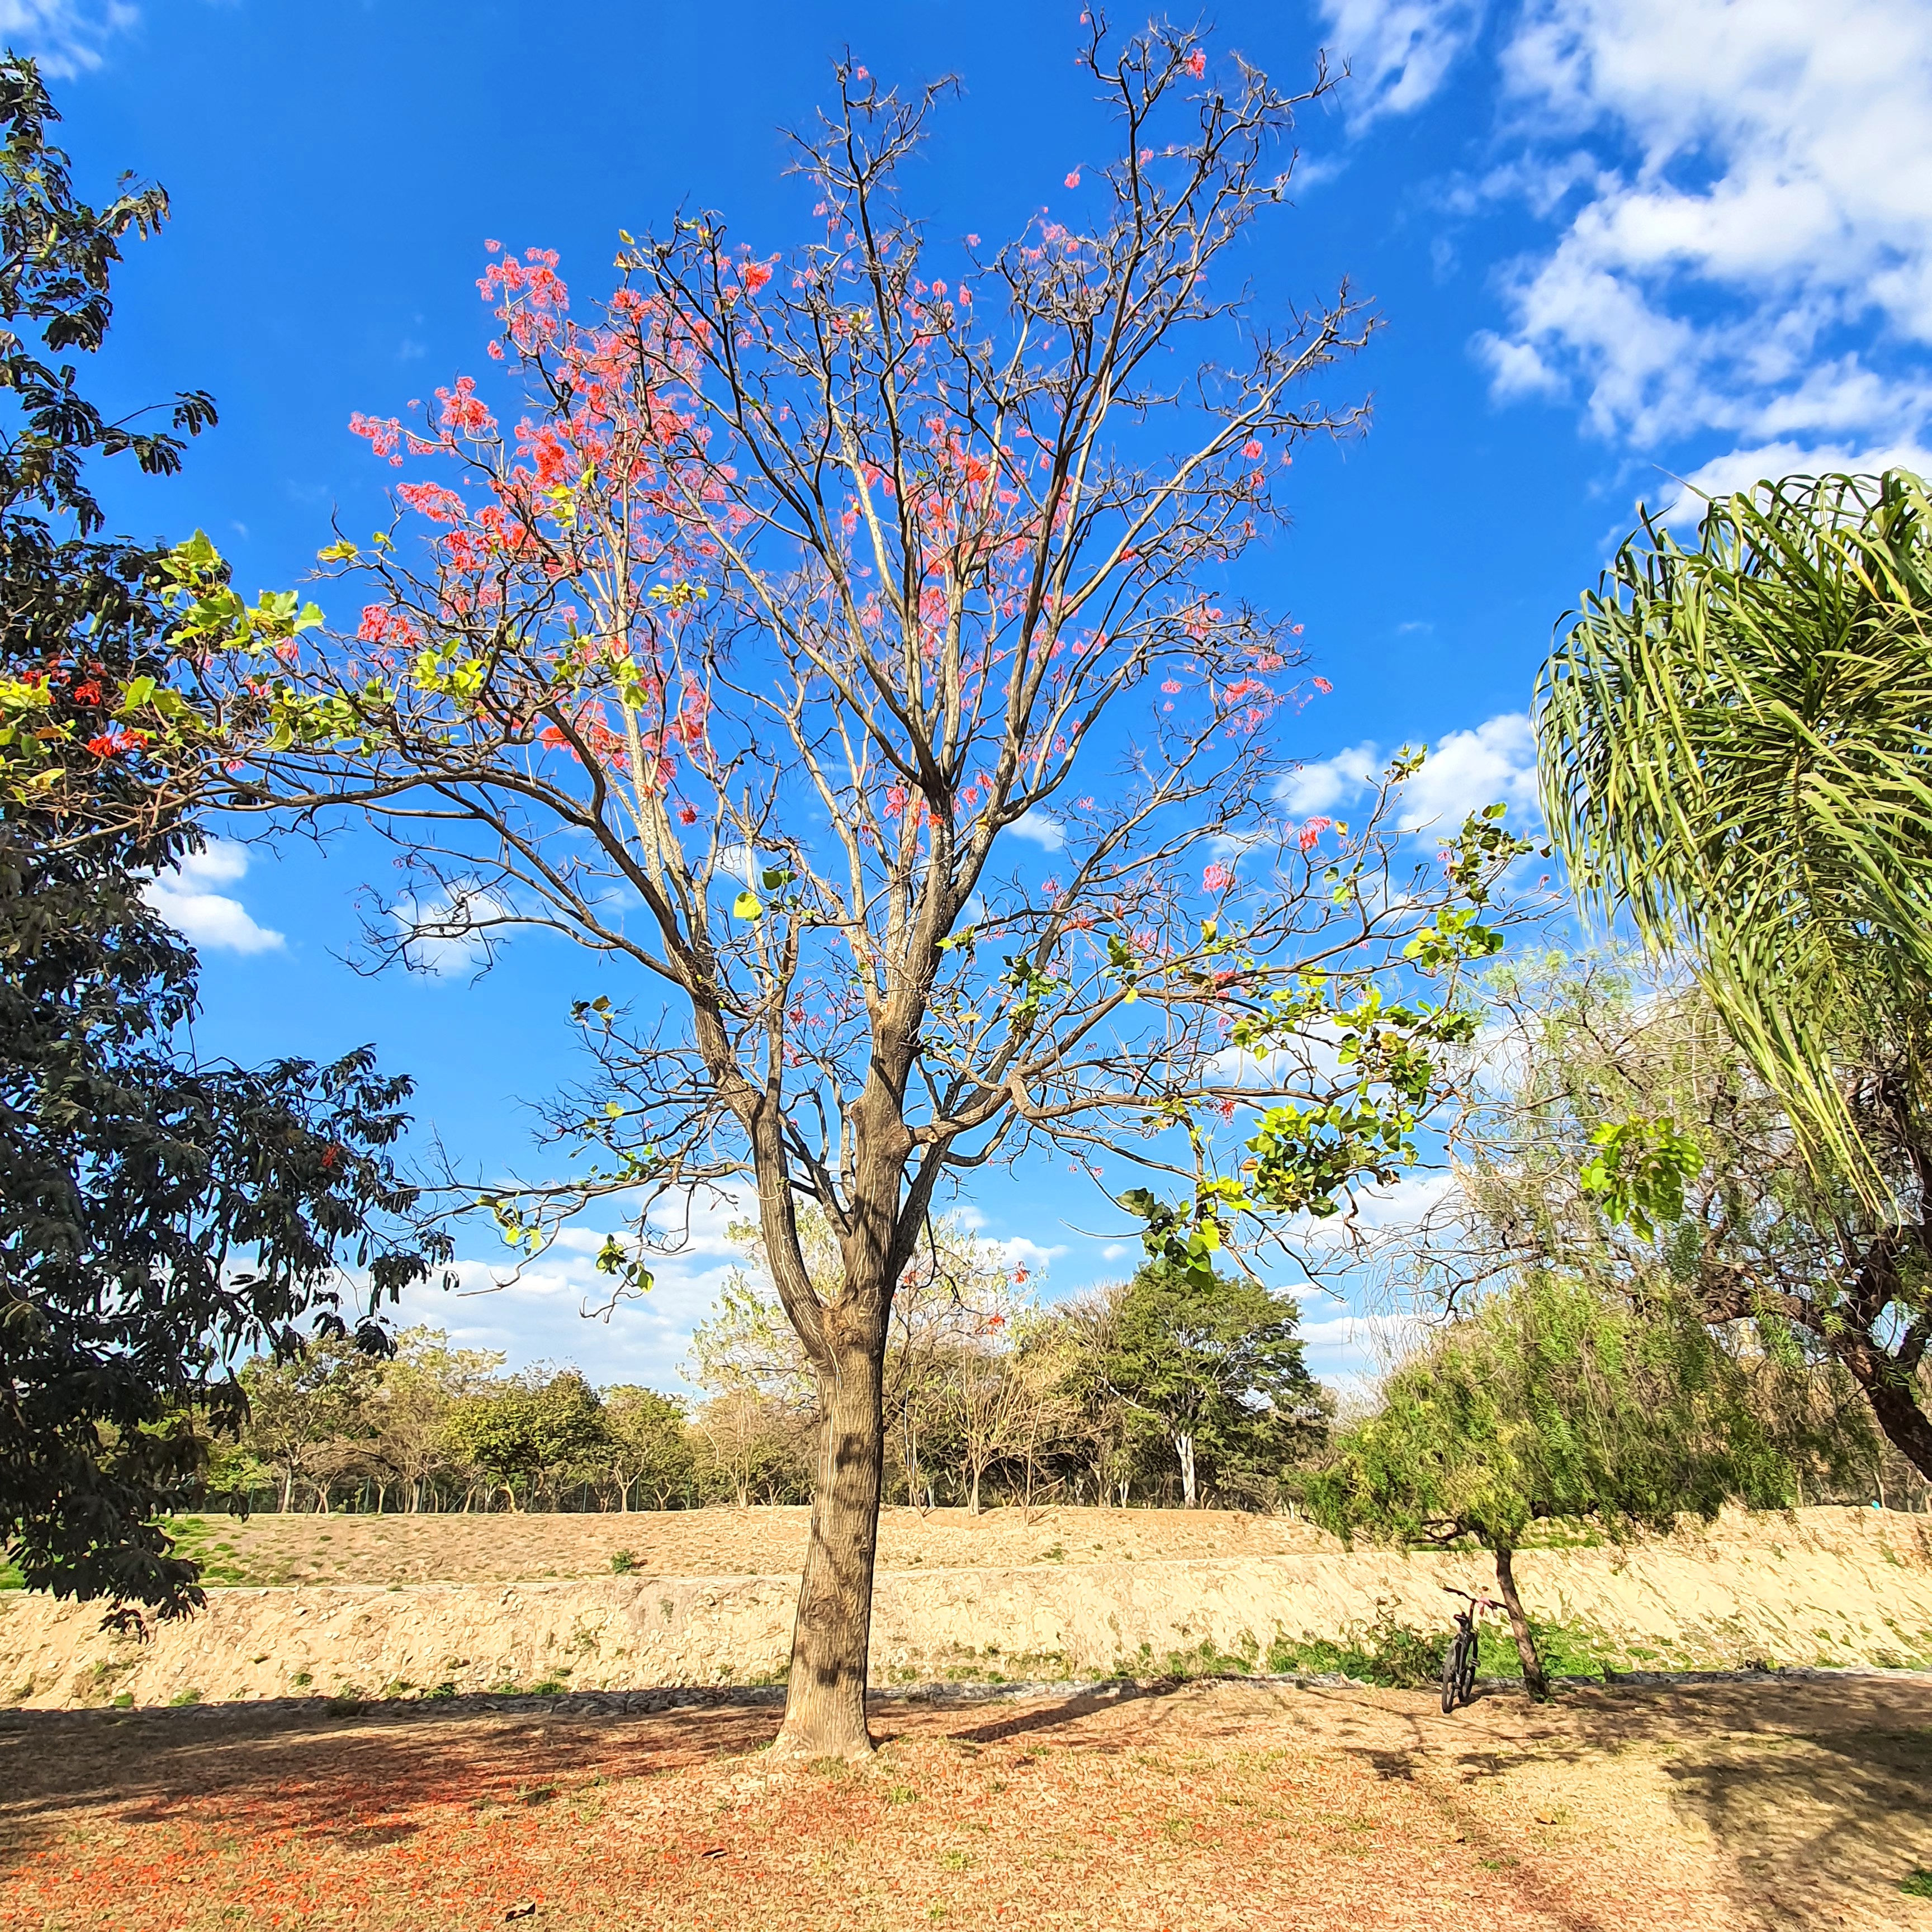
<point x="506" y="1548"/>
<point x="1206" y="1806"/>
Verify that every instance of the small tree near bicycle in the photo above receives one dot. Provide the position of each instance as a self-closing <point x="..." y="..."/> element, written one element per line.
<point x="1551" y="1404"/>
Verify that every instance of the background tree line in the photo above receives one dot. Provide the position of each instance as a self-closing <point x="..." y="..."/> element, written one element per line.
<point x="1161" y="1390"/>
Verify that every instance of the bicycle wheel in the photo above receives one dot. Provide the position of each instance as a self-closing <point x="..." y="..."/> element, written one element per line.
<point x="1452" y="1672"/>
<point x="1468" y="1685"/>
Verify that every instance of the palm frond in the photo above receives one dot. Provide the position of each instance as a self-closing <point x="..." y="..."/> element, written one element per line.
<point x="1735" y="747"/>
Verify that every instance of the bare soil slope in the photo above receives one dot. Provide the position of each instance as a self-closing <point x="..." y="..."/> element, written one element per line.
<point x="301" y="1548"/>
<point x="1065" y="1595"/>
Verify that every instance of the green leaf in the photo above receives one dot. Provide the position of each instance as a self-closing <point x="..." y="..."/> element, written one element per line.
<point x="746" y="906"/>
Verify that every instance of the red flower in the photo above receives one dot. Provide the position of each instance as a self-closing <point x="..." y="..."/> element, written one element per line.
<point x="1197" y="63"/>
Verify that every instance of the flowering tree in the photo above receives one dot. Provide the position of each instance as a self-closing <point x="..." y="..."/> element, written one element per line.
<point x="837" y="641"/>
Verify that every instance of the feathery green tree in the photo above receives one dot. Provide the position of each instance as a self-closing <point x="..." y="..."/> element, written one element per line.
<point x="1552" y="1402"/>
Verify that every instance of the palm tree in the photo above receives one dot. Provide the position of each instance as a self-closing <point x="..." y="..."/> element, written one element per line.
<point x="1735" y="745"/>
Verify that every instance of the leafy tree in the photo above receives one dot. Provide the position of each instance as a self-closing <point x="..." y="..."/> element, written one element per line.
<point x="158" y="1216"/>
<point x="309" y="1411"/>
<point x="1551" y="1402"/>
<point x="530" y="1435"/>
<point x="1736" y="746"/>
<point x="416" y="1388"/>
<point x="649" y="1447"/>
<point x="1593" y="1071"/>
<point x="805" y="595"/>
<point x="1215" y="1365"/>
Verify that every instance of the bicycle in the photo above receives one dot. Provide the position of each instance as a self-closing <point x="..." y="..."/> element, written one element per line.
<point x="1459" y="1664"/>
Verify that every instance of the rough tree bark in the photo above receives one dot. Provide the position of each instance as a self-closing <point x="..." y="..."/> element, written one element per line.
<point x="1888" y="1384"/>
<point x="825" y="1697"/>
<point x="1535" y="1680"/>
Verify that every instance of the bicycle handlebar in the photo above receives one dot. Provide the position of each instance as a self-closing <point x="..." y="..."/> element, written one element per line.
<point x="1481" y="1603"/>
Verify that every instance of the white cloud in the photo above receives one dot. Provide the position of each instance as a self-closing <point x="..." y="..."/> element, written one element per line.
<point x="1463" y="772"/>
<point x="205" y="918"/>
<point x="1399" y="51"/>
<point x="1016" y="1251"/>
<point x="64" y="36"/>
<point x="1353" y="1350"/>
<point x="1035" y="824"/>
<point x="1469" y="770"/>
<point x="550" y="1309"/>
<point x="1750" y="251"/>
<point x="1329" y="782"/>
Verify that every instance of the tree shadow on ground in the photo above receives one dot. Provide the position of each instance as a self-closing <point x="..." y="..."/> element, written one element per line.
<point x="1810" y="1822"/>
<point x="1812" y="1794"/>
<point x="358" y="1777"/>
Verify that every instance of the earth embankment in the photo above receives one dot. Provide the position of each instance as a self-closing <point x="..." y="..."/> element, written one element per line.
<point x="1057" y="1593"/>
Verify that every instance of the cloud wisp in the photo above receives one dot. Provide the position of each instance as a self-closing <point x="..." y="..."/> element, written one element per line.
<point x="66" y="36"/>
<point x="1464" y="772"/>
<point x="213" y="921"/>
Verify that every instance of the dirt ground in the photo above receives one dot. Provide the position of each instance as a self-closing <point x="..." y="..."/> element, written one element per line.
<point x="506" y="1548"/>
<point x="1174" y="1809"/>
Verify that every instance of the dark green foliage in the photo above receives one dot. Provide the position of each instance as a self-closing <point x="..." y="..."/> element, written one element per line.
<point x="1215" y="1368"/>
<point x="528" y="1434"/>
<point x="158" y="1216"/>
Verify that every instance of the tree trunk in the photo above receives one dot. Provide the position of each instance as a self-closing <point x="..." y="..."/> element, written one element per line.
<point x="1534" y="1680"/>
<point x="1893" y="1400"/>
<point x="825" y="1696"/>
<point x="1183" y="1447"/>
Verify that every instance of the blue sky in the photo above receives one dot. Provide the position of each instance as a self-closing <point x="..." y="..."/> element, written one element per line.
<point x="1616" y="243"/>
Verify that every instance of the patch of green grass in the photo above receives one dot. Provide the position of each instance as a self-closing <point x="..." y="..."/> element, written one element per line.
<point x="622" y="1562"/>
<point x="1385" y="1652"/>
<point x="1917" y="1883"/>
<point x="182" y="1698"/>
<point x="1567" y="1650"/>
<point x="123" y="1700"/>
<point x="548" y="1686"/>
<point x="301" y="1680"/>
